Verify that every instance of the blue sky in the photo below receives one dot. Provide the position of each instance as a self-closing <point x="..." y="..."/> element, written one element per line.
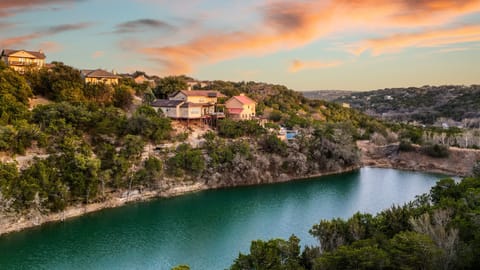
<point x="305" y="45"/>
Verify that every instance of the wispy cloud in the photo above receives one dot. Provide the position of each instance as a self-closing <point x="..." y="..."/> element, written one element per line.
<point x="11" y="7"/>
<point x="141" y="25"/>
<point x="65" y="28"/>
<point x="397" y="43"/>
<point x="449" y="50"/>
<point x="23" y="39"/>
<point x="298" y="65"/>
<point x="287" y="25"/>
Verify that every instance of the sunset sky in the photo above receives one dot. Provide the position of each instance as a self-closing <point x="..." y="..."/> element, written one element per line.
<point x="305" y="45"/>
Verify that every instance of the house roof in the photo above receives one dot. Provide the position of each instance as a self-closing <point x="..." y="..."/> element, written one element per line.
<point x="244" y="100"/>
<point x="166" y="103"/>
<point x="202" y="93"/>
<point x="39" y="54"/>
<point x="97" y="73"/>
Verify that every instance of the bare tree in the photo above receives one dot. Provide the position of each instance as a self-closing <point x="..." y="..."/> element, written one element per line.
<point x="435" y="225"/>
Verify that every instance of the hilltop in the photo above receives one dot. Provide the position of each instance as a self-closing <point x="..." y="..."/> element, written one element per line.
<point x="448" y="104"/>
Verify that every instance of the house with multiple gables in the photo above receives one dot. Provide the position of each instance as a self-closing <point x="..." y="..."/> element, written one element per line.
<point x="240" y="107"/>
<point x="185" y="104"/>
<point x="96" y="76"/>
<point x="22" y="60"/>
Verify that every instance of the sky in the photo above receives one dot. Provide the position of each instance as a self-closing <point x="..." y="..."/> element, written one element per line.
<point x="305" y="45"/>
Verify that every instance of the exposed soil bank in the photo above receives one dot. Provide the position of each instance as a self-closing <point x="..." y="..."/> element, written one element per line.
<point x="459" y="162"/>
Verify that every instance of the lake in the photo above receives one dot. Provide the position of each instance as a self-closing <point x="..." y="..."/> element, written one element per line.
<point x="208" y="229"/>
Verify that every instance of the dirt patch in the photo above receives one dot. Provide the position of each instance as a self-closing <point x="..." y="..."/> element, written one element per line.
<point x="459" y="162"/>
<point x="38" y="100"/>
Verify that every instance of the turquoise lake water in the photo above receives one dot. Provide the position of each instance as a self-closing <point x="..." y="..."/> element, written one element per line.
<point x="206" y="230"/>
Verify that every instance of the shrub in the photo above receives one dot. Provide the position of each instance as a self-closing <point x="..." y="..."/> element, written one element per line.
<point x="272" y="144"/>
<point x="405" y="146"/>
<point x="435" y="150"/>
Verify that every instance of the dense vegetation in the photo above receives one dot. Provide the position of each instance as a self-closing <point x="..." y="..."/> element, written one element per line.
<point x="439" y="230"/>
<point x="427" y="104"/>
<point x="89" y="141"/>
<point x="435" y="111"/>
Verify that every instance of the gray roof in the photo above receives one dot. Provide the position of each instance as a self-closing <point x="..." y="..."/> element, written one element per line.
<point x="166" y="103"/>
<point x="97" y="73"/>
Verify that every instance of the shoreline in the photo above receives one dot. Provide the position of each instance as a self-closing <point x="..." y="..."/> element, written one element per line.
<point x="459" y="162"/>
<point x="371" y="156"/>
<point x="32" y="220"/>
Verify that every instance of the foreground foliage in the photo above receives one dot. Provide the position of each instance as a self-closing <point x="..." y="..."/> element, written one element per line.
<point x="439" y="230"/>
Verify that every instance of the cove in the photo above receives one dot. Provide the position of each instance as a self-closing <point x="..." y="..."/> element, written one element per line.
<point x="206" y="230"/>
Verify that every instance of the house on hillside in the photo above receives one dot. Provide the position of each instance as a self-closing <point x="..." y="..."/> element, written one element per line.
<point x="240" y="107"/>
<point x="190" y="105"/>
<point x="191" y="84"/>
<point x="142" y="78"/>
<point x="99" y="76"/>
<point x="197" y="96"/>
<point x="22" y="60"/>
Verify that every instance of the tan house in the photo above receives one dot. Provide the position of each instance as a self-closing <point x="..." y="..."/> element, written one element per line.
<point x="197" y="96"/>
<point x="240" y="107"/>
<point x="178" y="109"/>
<point x="99" y="76"/>
<point x="22" y="60"/>
<point x="141" y="78"/>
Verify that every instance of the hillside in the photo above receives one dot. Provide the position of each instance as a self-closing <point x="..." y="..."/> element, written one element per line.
<point x="93" y="144"/>
<point x="455" y="105"/>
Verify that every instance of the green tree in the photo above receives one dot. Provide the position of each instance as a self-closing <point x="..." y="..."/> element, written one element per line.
<point x="272" y="144"/>
<point x="181" y="267"/>
<point x="364" y="254"/>
<point x="99" y="93"/>
<point x="169" y="85"/>
<point x="275" y="254"/>
<point x="411" y="250"/>
<point x="186" y="160"/>
<point x="59" y="83"/>
<point x="123" y="97"/>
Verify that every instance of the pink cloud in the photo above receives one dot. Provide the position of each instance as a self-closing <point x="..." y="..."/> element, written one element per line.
<point x="11" y="7"/>
<point x="53" y="30"/>
<point x="287" y="25"/>
<point x="435" y="38"/>
<point x="50" y="46"/>
<point x="298" y="65"/>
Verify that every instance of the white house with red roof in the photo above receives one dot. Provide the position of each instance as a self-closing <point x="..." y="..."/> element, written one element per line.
<point x="240" y="107"/>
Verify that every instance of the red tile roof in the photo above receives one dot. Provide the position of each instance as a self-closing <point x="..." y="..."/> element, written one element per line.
<point x="244" y="100"/>
<point x="38" y="55"/>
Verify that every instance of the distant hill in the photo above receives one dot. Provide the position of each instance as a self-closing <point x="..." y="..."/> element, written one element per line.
<point x="427" y="104"/>
<point x="328" y="95"/>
